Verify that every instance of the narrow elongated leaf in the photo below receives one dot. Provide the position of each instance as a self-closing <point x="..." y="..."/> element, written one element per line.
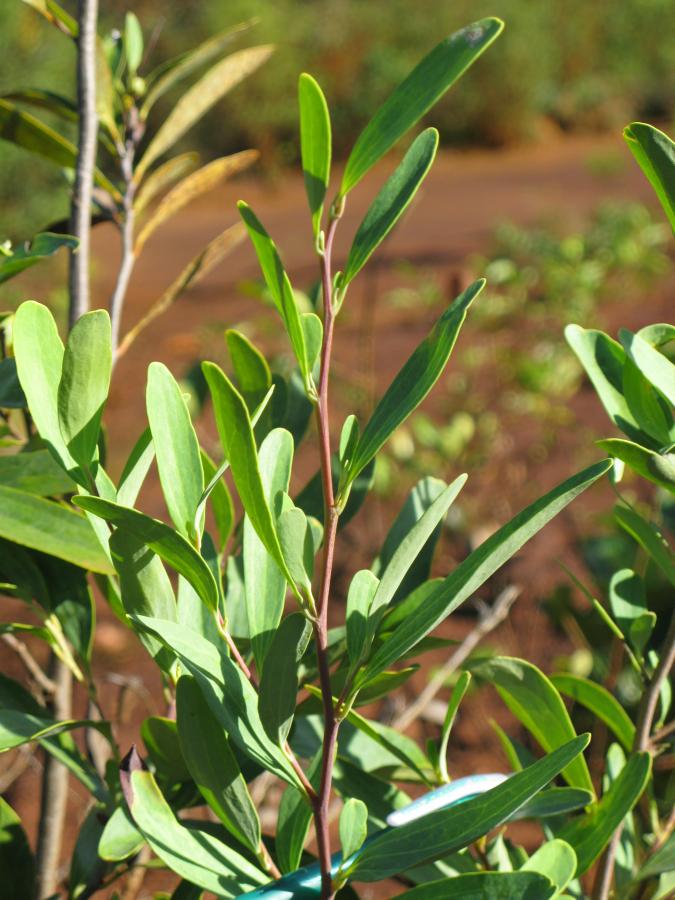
<point x="35" y="472"/>
<point x="135" y="469"/>
<point x="198" y="99"/>
<point x="353" y="826"/>
<point x="295" y="817"/>
<point x="662" y="861"/>
<point x="398" y="745"/>
<point x="448" y="830"/>
<point x="51" y="528"/>
<point x="177" y="449"/>
<point x="191" y="187"/>
<point x="655" y="154"/>
<point x="656" y="367"/>
<point x="250" y="368"/>
<point x="17" y="866"/>
<point x="17" y="727"/>
<point x="133" y="42"/>
<point x="193" y="854"/>
<point x="426" y="84"/>
<point x="44" y="99"/>
<point x="590" y="834"/>
<point x="478" y="567"/>
<point x="85" y="381"/>
<point x="264" y="581"/>
<point x="278" y="283"/>
<point x="555" y="859"/>
<point x="170" y="546"/>
<point x="629" y="607"/>
<point x="230" y="696"/>
<point x="221" y="501"/>
<point x="554" y="801"/>
<point x="315" y="144"/>
<point x="601" y="703"/>
<point x="213" y="766"/>
<point x="236" y="435"/>
<point x="656" y="467"/>
<point x="391" y="202"/>
<point x="29" y="133"/>
<point x="279" y="683"/>
<point x="162" y="178"/>
<point x="359" y="598"/>
<point x="28" y="254"/>
<point x="649" y="537"/>
<point x="535" y="702"/>
<point x="412" y="384"/>
<point x="120" y="838"/>
<point x="486" y="886"/>
<point x="297" y="546"/>
<point x="456" y="697"/>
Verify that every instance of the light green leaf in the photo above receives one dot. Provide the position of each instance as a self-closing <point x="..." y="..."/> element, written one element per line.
<point x="120" y="838"/>
<point x="655" y="154"/>
<point x="629" y="608"/>
<point x="456" y="697"/>
<point x="250" y="367"/>
<point x="279" y="682"/>
<point x="600" y="702"/>
<point x="177" y="450"/>
<point x="135" y="469"/>
<point x="448" y="830"/>
<point x="465" y="580"/>
<point x="133" y="42"/>
<point x="656" y="467"/>
<point x="213" y="766"/>
<point x="535" y="702"/>
<point x="656" y="367"/>
<point x="279" y="286"/>
<point x="359" y="598"/>
<point x="391" y="202"/>
<point x="51" y="528"/>
<point x="590" y="834"/>
<point x="195" y="855"/>
<point x="170" y="546"/>
<point x="236" y="435"/>
<point x="85" y="381"/>
<point x="353" y="826"/>
<point x="199" y="98"/>
<point x="30" y="253"/>
<point x="296" y="545"/>
<point x="221" y="501"/>
<point x="412" y="384"/>
<point x="486" y="886"/>
<point x="35" y="472"/>
<point x="315" y="144"/>
<point x="416" y="95"/>
<point x="649" y="537"/>
<point x="313" y="331"/>
<point x="555" y="859"/>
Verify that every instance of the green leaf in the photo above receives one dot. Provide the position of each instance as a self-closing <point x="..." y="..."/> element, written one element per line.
<point x="486" y="886"/>
<point x="28" y="254"/>
<point x="170" y="546"/>
<point x="177" y="449"/>
<point x="265" y="585"/>
<point x="629" y="608"/>
<point x="656" y="467"/>
<point x="398" y="745"/>
<point x="51" y="528"/>
<point x="353" y="826"/>
<point x="556" y="860"/>
<point x="39" y="358"/>
<point x="535" y="702"/>
<point x="221" y="501"/>
<point x="470" y="574"/>
<point x="590" y="834"/>
<point x="35" y="472"/>
<point x="649" y="408"/>
<point x="380" y="797"/>
<point x="135" y="469"/>
<point x="133" y="42"/>
<point x="17" y="866"/>
<point x="600" y="702"/>
<point x="315" y="144"/>
<point x="145" y="587"/>
<point x="230" y="696"/>
<point x="662" y="861"/>
<point x="29" y="133"/>
<point x="120" y="838"/>
<point x="655" y="154"/>
<point x="448" y="830"/>
<point x="426" y="84"/>
<point x="656" y="367"/>
<point x="11" y="395"/>
<point x="195" y="855"/>
<point x="412" y="384"/>
<point x="294" y="819"/>
<point x="554" y="801"/>
<point x="84" y="385"/>
<point x="250" y="367"/>
<point x="279" y="682"/>
<point x="359" y="598"/>
<point x="391" y="202"/>
<point x="236" y="435"/>
<point x="213" y="766"/>
<point x="456" y="697"/>
<point x="18" y="727"/>
<point x="279" y="286"/>
<point x="199" y="98"/>
<point x="649" y="537"/>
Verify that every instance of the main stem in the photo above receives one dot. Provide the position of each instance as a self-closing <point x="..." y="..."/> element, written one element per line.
<point x="331" y="515"/>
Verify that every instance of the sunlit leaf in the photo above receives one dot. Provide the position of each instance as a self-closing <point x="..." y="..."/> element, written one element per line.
<point x="600" y="702"/>
<point x="655" y="153"/>
<point x="315" y="143"/>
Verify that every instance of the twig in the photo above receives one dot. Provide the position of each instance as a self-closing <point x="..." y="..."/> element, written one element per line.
<point x="35" y="671"/>
<point x="116" y="304"/>
<point x="23" y="760"/>
<point x="496" y="614"/>
<point x="54" y="799"/>
<point x="663" y="733"/>
<point x="87" y="15"/>
<point x="642" y="741"/>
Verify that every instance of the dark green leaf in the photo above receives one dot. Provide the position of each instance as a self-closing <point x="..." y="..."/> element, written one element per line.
<point x="486" y="886"/>
<point x="35" y="472"/>
<point x="555" y="801"/>
<point x="315" y="143"/>
<point x="656" y="467"/>
<point x="279" y="683"/>
<point x="662" y="861"/>
<point x="295" y="817"/>
<point x="629" y="608"/>
<point x="649" y="537"/>
<point x="655" y="153"/>
<point x="11" y="395"/>
<point x="221" y="501"/>
<point x="359" y="598"/>
<point x="600" y="702"/>
<point x="353" y="826"/>
<point x="655" y="366"/>
<point x="25" y="256"/>
<point x="87" y="869"/>
<point x="17" y="867"/>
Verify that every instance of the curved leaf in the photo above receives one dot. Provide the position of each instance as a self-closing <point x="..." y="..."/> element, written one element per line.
<point x="28" y="254"/>
<point x="658" y="468"/>
<point x="555" y="859"/>
<point x="655" y="153"/>
<point x="315" y="144"/>
<point x="486" y="886"/>
<point x="600" y="702"/>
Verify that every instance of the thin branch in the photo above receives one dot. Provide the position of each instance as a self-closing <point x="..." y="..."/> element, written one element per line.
<point x="128" y="257"/>
<point x="86" y="159"/>
<point x="31" y="665"/>
<point x="487" y="623"/>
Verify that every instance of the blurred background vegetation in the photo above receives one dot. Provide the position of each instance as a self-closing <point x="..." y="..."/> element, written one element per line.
<point x="562" y="65"/>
